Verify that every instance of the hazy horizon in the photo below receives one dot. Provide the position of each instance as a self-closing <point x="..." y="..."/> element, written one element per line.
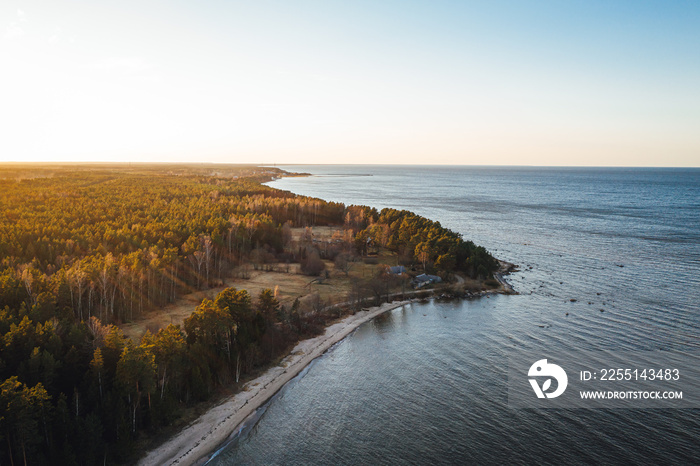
<point x="340" y="164"/>
<point x="313" y="164"/>
<point x="506" y="83"/>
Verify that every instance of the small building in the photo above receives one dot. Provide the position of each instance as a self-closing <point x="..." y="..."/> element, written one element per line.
<point x="397" y="270"/>
<point x="424" y="279"/>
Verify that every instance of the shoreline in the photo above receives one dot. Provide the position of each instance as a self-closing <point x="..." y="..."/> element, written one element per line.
<point x="201" y="438"/>
<point x="198" y="441"/>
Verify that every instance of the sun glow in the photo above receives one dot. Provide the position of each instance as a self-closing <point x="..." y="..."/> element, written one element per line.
<point x="233" y="82"/>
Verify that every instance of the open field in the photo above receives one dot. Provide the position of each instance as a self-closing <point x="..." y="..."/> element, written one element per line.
<point x="287" y="285"/>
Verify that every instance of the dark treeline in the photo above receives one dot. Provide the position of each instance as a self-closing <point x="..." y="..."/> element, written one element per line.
<point x="83" y="250"/>
<point x="417" y="239"/>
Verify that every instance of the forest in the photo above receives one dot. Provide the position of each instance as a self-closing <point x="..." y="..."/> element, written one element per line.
<point x="84" y="249"/>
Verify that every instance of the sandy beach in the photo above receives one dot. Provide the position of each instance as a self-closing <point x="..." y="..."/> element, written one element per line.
<point x="202" y="436"/>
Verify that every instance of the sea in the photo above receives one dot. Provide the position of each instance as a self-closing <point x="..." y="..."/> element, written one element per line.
<point x="608" y="260"/>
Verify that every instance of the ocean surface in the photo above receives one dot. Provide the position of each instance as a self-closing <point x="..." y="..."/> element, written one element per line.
<point x="427" y="383"/>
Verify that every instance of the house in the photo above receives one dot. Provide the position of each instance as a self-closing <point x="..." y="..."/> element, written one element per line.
<point x="424" y="279"/>
<point x="397" y="270"/>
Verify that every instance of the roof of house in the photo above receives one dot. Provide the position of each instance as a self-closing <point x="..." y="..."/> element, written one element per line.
<point x="423" y="278"/>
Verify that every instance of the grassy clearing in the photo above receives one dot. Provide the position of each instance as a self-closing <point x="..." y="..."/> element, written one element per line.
<point x="287" y="285"/>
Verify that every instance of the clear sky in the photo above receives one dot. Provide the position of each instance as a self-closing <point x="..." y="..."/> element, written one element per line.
<point x="429" y="82"/>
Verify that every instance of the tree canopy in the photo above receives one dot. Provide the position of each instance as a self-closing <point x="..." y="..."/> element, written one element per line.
<point x="83" y="250"/>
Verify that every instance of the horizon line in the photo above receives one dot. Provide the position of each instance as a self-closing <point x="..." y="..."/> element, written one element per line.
<point x="274" y="164"/>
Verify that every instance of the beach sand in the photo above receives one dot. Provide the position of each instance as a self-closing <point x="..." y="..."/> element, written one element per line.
<point x="203" y="436"/>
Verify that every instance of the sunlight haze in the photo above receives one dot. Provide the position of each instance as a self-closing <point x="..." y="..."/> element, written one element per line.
<point x="392" y="82"/>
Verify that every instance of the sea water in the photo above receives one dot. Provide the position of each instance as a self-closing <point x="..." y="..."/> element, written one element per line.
<point x="609" y="259"/>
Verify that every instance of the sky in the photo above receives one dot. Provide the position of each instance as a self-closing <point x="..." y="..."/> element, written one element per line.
<point x="582" y="83"/>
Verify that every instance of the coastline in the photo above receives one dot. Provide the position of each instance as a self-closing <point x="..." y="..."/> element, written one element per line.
<point x="195" y="443"/>
<point x="505" y="268"/>
<point x="199" y="439"/>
